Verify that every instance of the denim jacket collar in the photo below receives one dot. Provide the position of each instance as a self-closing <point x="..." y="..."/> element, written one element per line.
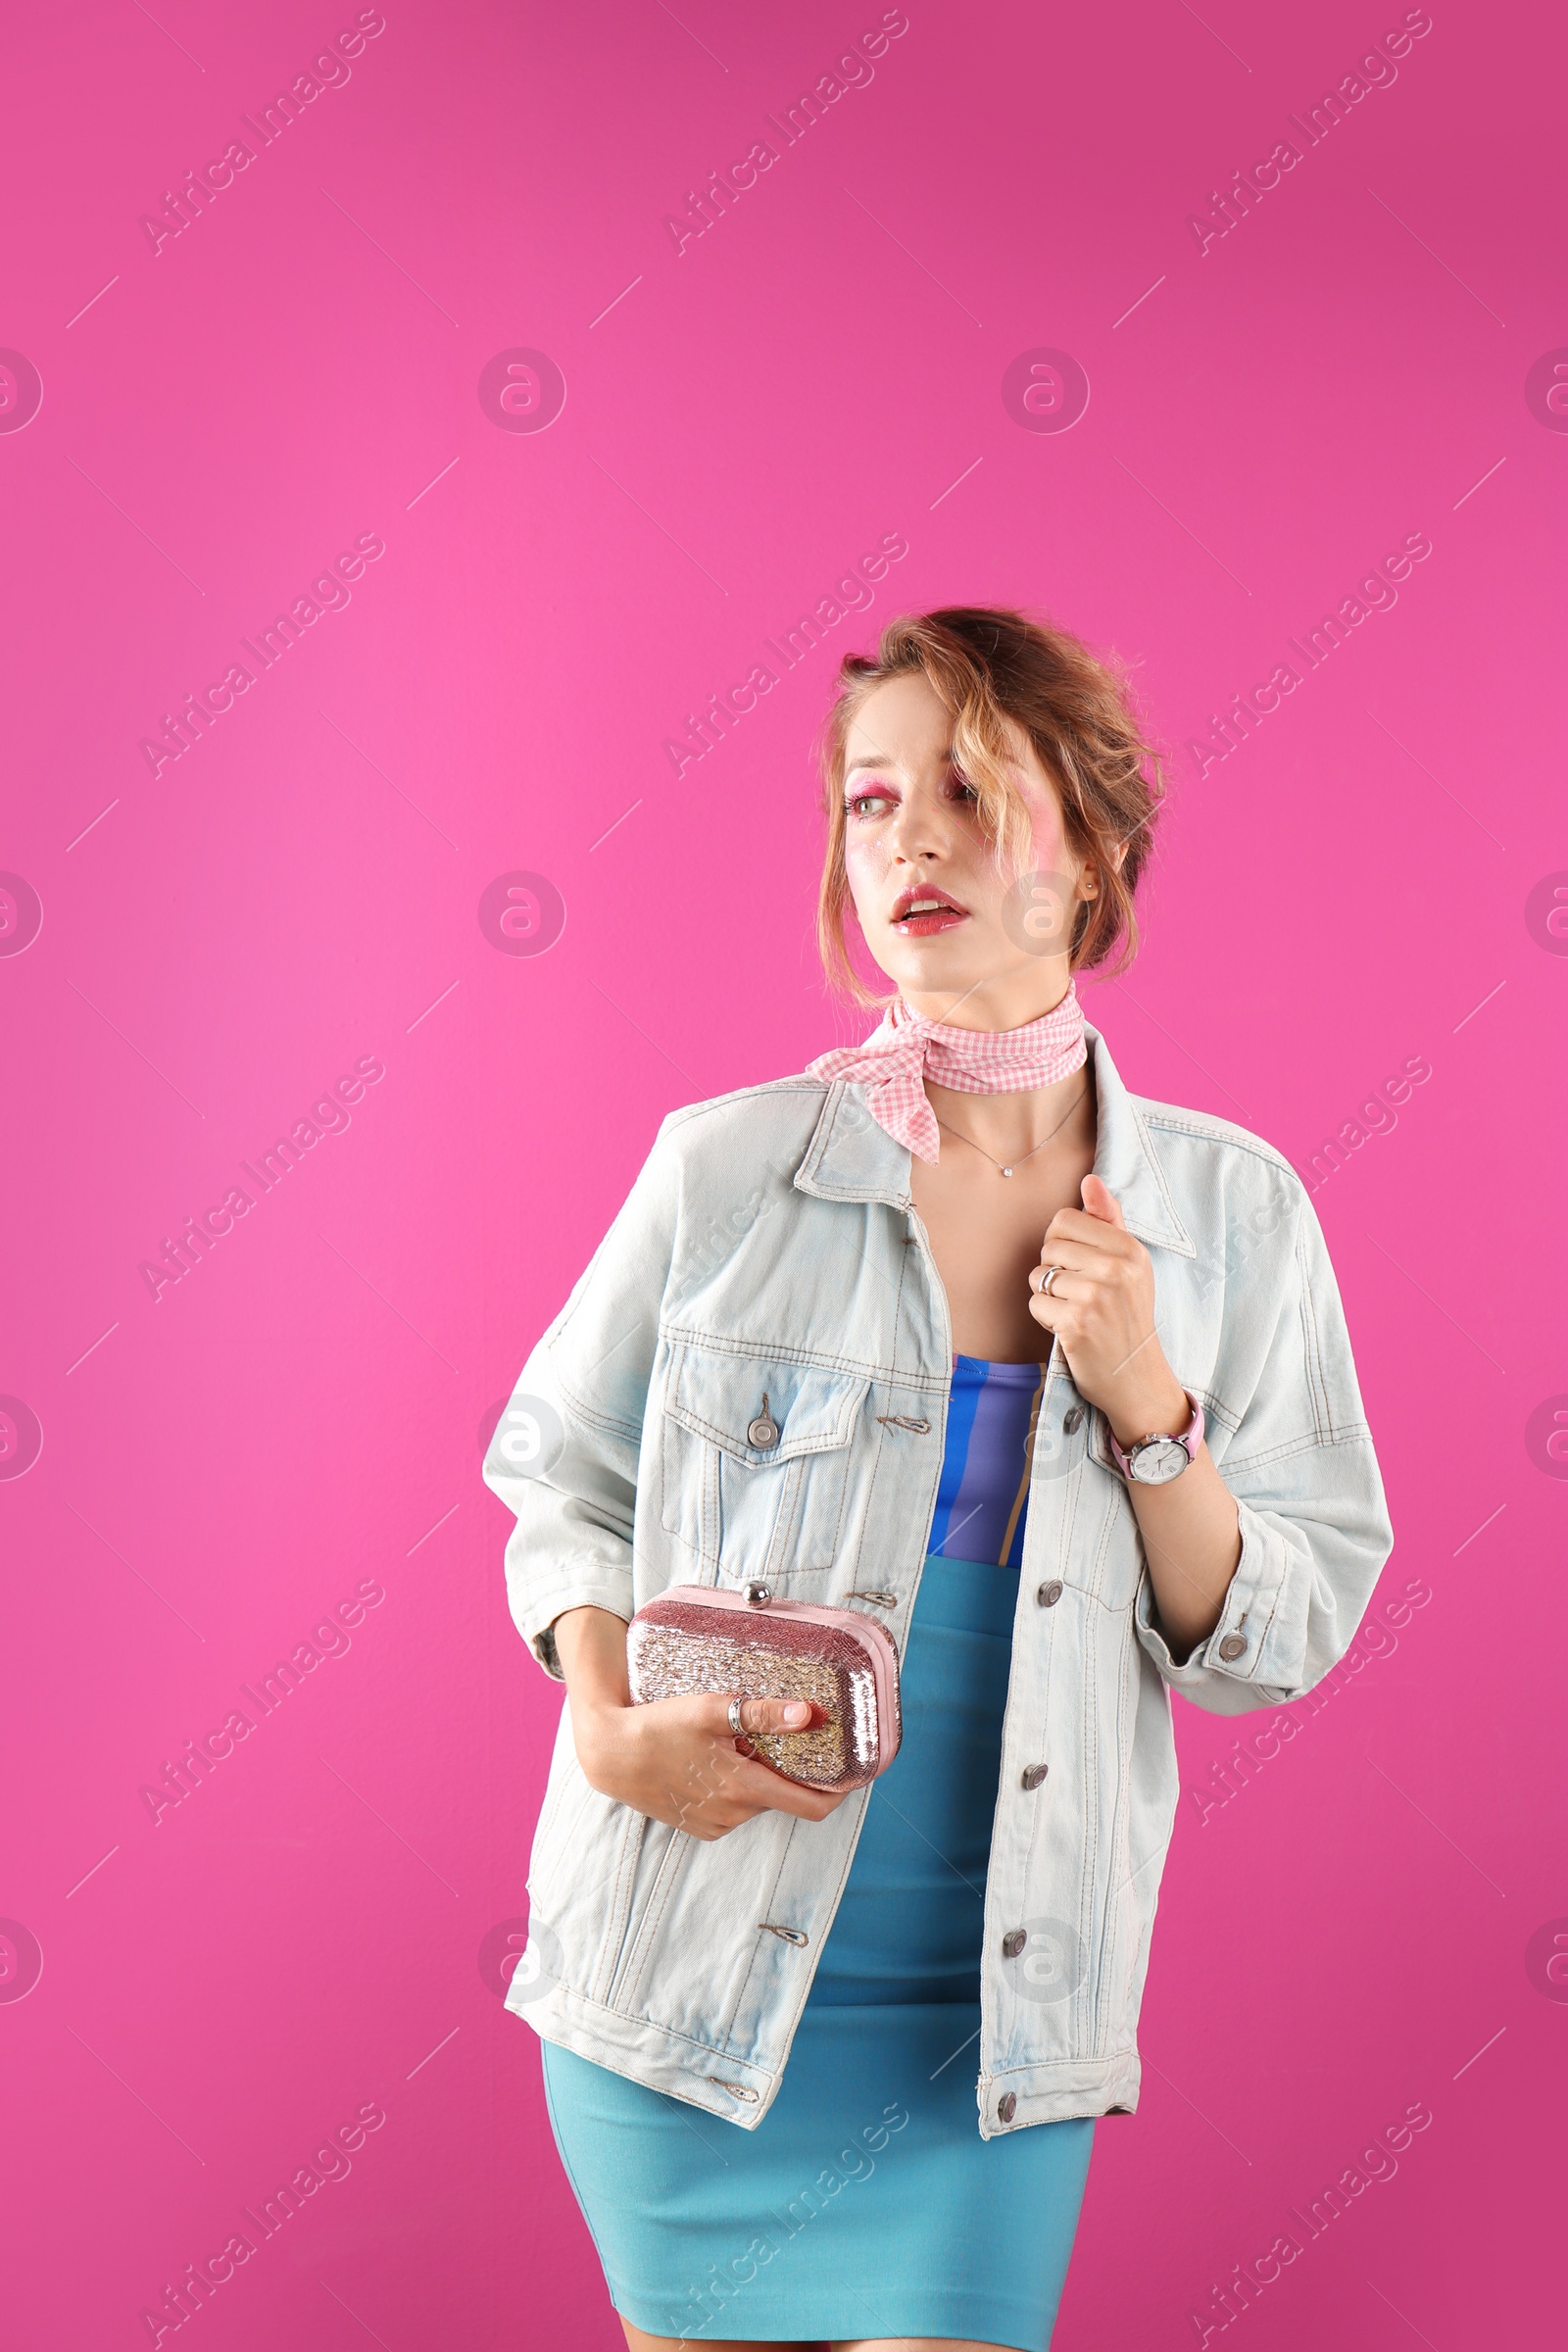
<point x="851" y="1157"/>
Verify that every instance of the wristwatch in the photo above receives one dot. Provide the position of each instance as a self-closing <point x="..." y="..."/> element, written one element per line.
<point x="1156" y="1460"/>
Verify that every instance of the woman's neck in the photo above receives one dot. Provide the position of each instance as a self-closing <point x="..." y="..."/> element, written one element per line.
<point x="1012" y="1127"/>
<point x="1008" y="1001"/>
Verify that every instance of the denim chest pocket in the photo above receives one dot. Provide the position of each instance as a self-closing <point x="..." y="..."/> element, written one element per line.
<point x="755" y="1461"/>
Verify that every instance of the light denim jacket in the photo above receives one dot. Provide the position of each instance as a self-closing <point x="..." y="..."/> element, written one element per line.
<point x="769" y="1246"/>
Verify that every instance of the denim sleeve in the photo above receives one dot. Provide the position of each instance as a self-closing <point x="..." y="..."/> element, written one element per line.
<point x="565" y="1458"/>
<point x="1314" y="1523"/>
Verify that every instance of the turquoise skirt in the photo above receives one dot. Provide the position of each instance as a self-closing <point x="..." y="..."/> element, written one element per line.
<point x="866" y="2202"/>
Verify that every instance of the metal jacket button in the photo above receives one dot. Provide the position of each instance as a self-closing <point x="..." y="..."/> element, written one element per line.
<point x="1072" y="1419"/>
<point x="1013" y="1942"/>
<point x="1034" y="1774"/>
<point x="1048" y="1594"/>
<point x="1233" y="1645"/>
<point x="1006" y="2106"/>
<point x="763" y="1431"/>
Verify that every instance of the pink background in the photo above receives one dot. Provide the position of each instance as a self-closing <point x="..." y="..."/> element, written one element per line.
<point x="301" y="1414"/>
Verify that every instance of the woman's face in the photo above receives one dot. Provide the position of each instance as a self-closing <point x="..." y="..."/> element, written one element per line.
<point x="965" y="937"/>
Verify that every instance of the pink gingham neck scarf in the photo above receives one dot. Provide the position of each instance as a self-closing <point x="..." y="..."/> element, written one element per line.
<point x="905" y="1049"/>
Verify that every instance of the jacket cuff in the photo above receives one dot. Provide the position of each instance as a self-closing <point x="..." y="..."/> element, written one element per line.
<point x="1240" y="1648"/>
<point x="535" y="1613"/>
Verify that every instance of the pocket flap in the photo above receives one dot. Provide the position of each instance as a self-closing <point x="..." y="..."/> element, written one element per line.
<point x="723" y="1397"/>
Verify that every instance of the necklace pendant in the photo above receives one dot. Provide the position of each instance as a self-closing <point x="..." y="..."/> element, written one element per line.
<point x="1007" y="1171"/>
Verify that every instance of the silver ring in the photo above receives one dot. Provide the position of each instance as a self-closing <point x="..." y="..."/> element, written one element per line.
<point x="735" y="1717"/>
<point x="1050" y="1275"/>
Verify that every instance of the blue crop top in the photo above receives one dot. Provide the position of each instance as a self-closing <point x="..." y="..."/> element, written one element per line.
<point x="983" y="1498"/>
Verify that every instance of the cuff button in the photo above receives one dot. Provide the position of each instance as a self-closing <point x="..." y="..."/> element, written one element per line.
<point x="1233" y="1646"/>
<point x="1006" y="2106"/>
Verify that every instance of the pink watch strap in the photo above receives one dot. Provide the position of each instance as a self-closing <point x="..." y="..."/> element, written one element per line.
<point x="1191" y="1437"/>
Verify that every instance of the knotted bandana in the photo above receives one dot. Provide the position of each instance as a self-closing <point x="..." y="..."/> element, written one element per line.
<point x="905" y="1049"/>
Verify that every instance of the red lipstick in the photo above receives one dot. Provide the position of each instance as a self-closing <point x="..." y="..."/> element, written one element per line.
<point x="920" y="913"/>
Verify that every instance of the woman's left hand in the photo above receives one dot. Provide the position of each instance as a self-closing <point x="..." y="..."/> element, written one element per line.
<point x="1100" y="1305"/>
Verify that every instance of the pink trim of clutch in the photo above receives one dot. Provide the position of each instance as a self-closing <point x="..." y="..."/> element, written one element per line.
<point x="718" y="1638"/>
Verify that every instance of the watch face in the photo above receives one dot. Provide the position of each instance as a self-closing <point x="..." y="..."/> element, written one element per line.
<point x="1157" y="1461"/>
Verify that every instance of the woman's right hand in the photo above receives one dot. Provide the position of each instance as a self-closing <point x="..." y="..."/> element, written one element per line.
<point x="674" y="1759"/>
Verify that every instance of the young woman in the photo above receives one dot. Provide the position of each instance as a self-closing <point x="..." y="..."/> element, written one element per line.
<point x="1052" y="1381"/>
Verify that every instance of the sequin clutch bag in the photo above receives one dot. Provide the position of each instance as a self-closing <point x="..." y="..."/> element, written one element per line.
<point x="716" y="1637"/>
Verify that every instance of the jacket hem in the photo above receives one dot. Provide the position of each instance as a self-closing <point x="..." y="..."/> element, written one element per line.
<point x="656" y="2056"/>
<point x="741" y="2092"/>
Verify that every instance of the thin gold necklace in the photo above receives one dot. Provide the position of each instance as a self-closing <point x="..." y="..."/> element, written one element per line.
<point x="1017" y="1164"/>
